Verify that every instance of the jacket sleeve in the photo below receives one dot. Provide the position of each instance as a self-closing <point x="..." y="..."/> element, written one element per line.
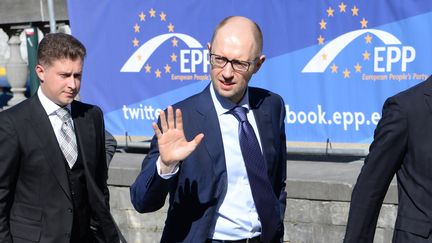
<point x="110" y="146"/>
<point x="9" y="167"/>
<point x="283" y="162"/>
<point x="149" y="191"/>
<point x="385" y="157"/>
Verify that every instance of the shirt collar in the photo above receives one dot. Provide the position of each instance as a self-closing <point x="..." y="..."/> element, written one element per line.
<point x="49" y="106"/>
<point x="223" y="105"/>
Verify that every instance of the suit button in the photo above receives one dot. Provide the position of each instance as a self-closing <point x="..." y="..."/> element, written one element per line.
<point x="69" y="210"/>
<point x="67" y="235"/>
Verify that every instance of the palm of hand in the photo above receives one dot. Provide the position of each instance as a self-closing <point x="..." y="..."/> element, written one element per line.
<point x="173" y="146"/>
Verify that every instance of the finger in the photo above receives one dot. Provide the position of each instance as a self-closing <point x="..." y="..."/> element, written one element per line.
<point x="170" y="118"/>
<point x="179" y="120"/>
<point x="198" y="138"/>
<point x="163" y="121"/>
<point x="156" y="130"/>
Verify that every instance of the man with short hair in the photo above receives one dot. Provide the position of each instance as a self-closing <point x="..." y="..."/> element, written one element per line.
<point x="222" y="156"/>
<point x="53" y="171"/>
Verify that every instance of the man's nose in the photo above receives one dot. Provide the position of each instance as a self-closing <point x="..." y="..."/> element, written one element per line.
<point x="72" y="82"/>
<point x="228" y="70"/>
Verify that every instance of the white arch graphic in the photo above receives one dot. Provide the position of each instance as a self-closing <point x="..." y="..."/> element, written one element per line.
<point x="318" y="65"/>
<point x="137" y="60"/>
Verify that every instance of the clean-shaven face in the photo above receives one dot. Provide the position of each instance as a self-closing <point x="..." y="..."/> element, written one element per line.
<point x="235" y="40"/>
<point x="61" y="81"/>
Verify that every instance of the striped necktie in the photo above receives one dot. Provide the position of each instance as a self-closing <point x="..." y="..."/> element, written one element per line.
<point x="67" y="139"/>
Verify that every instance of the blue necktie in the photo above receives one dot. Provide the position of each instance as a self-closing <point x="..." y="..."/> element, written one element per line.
<point x="262" y="191"/>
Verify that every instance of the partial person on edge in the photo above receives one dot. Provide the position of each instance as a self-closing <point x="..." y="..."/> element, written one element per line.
<point x="402" y="146"/>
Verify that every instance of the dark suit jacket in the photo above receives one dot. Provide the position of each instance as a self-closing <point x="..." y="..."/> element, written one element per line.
<point x="200" y="185"/>
<point x="35" y="200"/>
<point x="402" y="145"/>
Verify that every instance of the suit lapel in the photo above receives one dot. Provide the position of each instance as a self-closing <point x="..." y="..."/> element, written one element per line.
<point x="428" y="94"/>
<point x="263" y="121"/>
<point x="85" y="133"/>
<point x="212" y="135"/>
<point x="48" y="143"/>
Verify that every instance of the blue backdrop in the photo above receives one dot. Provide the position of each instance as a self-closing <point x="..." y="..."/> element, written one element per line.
<point x="333" y="62"/>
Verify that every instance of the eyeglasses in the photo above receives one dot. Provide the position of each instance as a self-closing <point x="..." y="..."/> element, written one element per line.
<point x="240" y="66"/>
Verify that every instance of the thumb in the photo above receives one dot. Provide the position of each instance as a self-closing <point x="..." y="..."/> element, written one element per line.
<point x="198" y="138"/>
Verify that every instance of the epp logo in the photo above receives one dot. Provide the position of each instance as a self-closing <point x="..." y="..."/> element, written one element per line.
<point x="196" y="57"/>
<point x="187" y="58"/>
<point x="385" y="57"/>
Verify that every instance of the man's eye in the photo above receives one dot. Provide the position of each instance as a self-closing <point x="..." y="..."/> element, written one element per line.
<point x="220" y="59"/>
<point x="240" y="64"/>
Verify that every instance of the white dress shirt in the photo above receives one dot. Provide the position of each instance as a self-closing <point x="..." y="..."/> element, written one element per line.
<point x="237" y="217"/>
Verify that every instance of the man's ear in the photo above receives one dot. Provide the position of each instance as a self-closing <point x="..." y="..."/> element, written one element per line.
<point x="259" y="63"/>
<point x="40" y="72"/>
<point x="209" y="46"/>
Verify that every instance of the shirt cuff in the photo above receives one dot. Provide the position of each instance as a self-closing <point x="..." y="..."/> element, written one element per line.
<point x="166" y="176"/>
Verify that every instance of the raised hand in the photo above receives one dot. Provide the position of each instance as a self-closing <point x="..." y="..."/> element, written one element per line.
<point x="173" y="146"/>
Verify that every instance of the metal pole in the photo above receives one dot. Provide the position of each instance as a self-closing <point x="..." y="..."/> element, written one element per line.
<point x="51" y="16"/>
<point x="32" y="45"/>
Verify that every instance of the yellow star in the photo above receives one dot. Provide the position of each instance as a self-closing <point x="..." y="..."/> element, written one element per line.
<point x="364" y="23"/>
<point x="334" y="68"/>
<point x="173" y="57"/>
<point x="320" y="40"/>
<point x="152" y="13"/>
<point x="167" y="68"/>
<point x="2" y="71"/>
<point x="366" y="55"/>
<point x="355" y="11"/>
<point x="136" y="28"/>
<point x="342" y="7"/>
<point x="322" y="24"/>
<point x="170" y="27"/>
<point x="135" y="42"/>
<point x="346" y="73"/>
<point x="142" y="16"/>
<point x="162" y="16"/>
<point x="147" y="68"/>
<point x="368" y="39"/>
<point x="174" y="42"/>
<point x="358" y="68"/>
<point x="158" y="73"/>
<point x="330" y="12"/>
<point x="324" y="56"/>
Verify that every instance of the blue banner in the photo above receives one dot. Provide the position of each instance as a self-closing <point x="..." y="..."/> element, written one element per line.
<point x="333" y="62"/>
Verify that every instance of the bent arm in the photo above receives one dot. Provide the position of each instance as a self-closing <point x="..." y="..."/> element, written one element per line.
<point x="149" y="191"/>
<point x="384" y="159"/>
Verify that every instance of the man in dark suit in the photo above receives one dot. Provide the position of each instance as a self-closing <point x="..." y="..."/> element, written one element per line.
<point x="402" y="146"/>
<point x="209" y="178"/>
<point x="53" y="171"/>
